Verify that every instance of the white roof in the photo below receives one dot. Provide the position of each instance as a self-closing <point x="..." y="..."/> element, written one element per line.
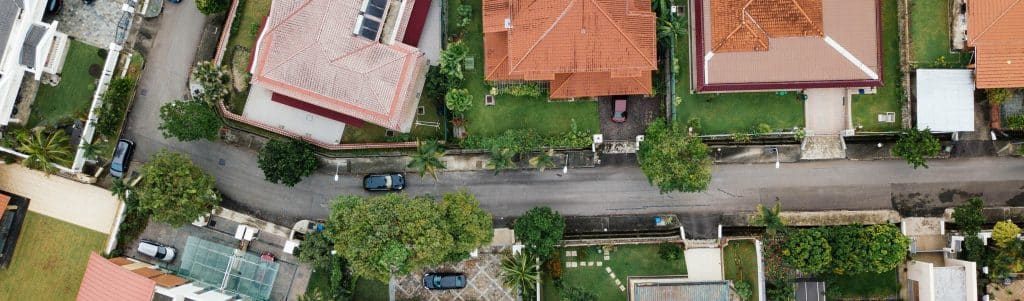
<point x="945" y="100"/>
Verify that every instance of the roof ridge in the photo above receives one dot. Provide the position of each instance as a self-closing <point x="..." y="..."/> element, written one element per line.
<point x="290" y="15"/>
<point x="503" y="60"/>
<point x="999" y="18"/>
<point x="623" y="33"/>
<point x="806" y="17"/>
<point x="552" y="91"/>
<point x="285" y="61"/>
<point x="546" y="32"/>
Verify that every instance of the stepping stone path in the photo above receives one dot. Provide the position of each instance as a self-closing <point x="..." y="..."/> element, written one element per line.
<point x="573" y="264"/>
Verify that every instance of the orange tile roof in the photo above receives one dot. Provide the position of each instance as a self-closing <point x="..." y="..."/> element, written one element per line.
<point x="121" y="261"/>
<point x="169" y="281"/>
<point x="105" y="280"/>
<point x="554" y="39"/>
<point x="995" y="29"/>
<point x="746" y="25"/>
<point x="308" y="52"/>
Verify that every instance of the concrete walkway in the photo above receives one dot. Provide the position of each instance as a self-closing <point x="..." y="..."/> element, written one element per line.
<point x="80" y="204"/>
<point x="825" y="111"/>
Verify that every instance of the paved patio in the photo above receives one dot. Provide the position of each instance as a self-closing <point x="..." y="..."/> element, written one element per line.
<point x="482" y="277"/>
<point x="825" y="111"/>
<point x="80" y="204"/>
<point x="94" y="24"/>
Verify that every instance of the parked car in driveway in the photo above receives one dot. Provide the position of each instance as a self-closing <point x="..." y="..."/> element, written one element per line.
<point x="444" y="281"/>
<point x="619" y="115"/>
<point x="122" y="158"/>
<point x="156" y="250"/>
<point x="384" y="182"/>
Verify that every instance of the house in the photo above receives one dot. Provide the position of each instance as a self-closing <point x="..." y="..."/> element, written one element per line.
<point x="994" y="31"/>
<point x="322" y="64"/>
<point x="28" y="46"/>
<point x="742" y="45"/>
<point x="677" y="288"/>
<point x="583" y="48"/>
<point x="127" y="279"/>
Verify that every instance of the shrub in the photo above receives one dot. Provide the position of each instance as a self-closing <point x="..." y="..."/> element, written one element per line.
<point x="554" y="266"/>
<point x="115" y="103"/>
<point x="521" y="141"/>
<point x="458" y="100"/>
<point x="1015" y="122"/>
<point x="1004" y="232"/>
<point x="780" y="290"/>
<point x="526" y="89"/>
<point x="743" y="290"/>
<point x="808" y="251"/>
<point x="670" y="251"/>
<point x="582" y="254"/>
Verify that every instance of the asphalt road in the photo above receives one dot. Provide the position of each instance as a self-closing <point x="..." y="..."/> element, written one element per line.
<point x="614" y="188"/>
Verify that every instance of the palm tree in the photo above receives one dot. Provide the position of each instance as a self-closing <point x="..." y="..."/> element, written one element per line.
<point x="676" y="27"/>
<point x="769" y="218"/>
<point x="119" y="188"/>
<point x="519" y="271"/>
<point x="428" y="158"/>
<point x="543" y="160"/>
<point x="93" y="149"/>
<point x="500" y="159"/>
<point x="43" y="152"/>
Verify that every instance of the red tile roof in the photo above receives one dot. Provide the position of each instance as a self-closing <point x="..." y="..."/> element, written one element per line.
<point x="995" y="28"/>
<point x="746" y="25"/>
<point x="104" y="281"/>
<point x="553" y="39"/>
<point x="308" y="52"/>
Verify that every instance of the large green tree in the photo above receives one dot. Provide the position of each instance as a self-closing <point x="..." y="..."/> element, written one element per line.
<point x="44" y="150"/>
<point x="286" y="162"/>
<point x="870" y="249"/>
<point x="427" y="159"/>
<point x="214" y="80"/>
<point x="316" y="250"/>
<point x="674" y="160"/>
<point x="210" y="7"/>
<point x="175" y="190"/>
<point x="969" y="217"/>
<point x="189" y="120"/>
<point x="808" y="251"/>
<point x="540" y="229"/>
<point x="470" y="226"/>
<point x="916" y="146"/>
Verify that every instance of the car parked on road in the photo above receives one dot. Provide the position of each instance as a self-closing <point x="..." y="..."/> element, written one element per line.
<point x="384" y="182"/>
<point x="444" y="281"/>
<point x="619" y="115"/>
<point x="156" y="250"/>
<point x="122" y="158"/>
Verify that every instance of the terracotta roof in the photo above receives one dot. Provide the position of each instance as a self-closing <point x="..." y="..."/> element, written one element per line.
<point x="552" y="39"/>
<point x="105" y="281"/>
<point x="308" y="52"/>
<point x="168" y="281"/>
<point x="121" y="261"/>
<point x="994" y="29"/>
<point x="828" y="43"/>
<point x="746" y="25"/>
<point x="4" y="200"/>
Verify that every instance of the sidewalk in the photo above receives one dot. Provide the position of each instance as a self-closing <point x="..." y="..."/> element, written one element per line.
<point x="454" y="161"/>
<point x="80" y="204"/>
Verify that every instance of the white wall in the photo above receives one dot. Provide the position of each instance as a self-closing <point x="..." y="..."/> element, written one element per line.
<point x="922" y="273"/>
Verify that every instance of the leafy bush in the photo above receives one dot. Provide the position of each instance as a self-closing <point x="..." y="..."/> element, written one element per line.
<point x="743" y="290"/>
<point x="808" y="251"/>
<point x="554" y="266"/>
<point x="526" y="89"/>
<point x="670" y="251"/>
<point x="780" y="290"/>
<point x="458" y="100"/>
<point x="115" y="104"/>
<point x="1015" y="122"/>
<point x="1004" y="232"/>
<point x="521" y="141"/>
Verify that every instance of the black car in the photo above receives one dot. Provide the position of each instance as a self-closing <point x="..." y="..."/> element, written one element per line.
<point x="384" y="182"/>
<point x="444" y="281"/>
<point x="122" y="157"/>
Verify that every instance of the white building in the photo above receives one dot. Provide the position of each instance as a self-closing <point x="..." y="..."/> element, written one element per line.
<point x="29" y="47"/>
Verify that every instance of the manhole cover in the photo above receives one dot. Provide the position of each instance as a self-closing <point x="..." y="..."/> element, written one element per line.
<point x="142" y="92"/>
<point x="220" y="162"/>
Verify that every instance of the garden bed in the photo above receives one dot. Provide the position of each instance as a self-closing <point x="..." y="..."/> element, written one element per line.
<point x="50" y="259"/>
<point x="71" y="98"/>
<point x="370" y="133"/>
<point x="624" y="261"/>
<point x="740" y="261"/>
<point x="889" y="96"/>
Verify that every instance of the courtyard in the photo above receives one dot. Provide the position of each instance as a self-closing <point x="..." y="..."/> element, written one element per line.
<point x="605" y="274"/>
<point x="69" y="99"/>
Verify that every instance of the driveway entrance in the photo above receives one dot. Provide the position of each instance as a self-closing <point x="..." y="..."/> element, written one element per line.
<point x="825" y="111"/>
<point x="80" y="204"/>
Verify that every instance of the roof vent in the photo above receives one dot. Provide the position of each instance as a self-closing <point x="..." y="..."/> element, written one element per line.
<point x="508" y="23"/>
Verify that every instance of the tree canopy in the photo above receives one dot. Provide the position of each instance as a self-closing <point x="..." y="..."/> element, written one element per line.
<point x="969" y="216"/>
<point x="214" y="80"/>
<point x="316" y="250"/>
<point x="209" y="7"/>
<point x="174" y="190"/>
<point x="863" y="249"/>
<point x="674" y="160"/>
<point x="286" y="162"/>
<point x="427" y="159"/>
<point x="395" y="232"/>
<point x="45" y="150"/>
<point x="540" y="229"/>
<point x="189" y="120"/>
<point x="808" y="251"/>
<point x="769" y="218"/>
<point x="1004" y="232"/>
<point x="916" y="146"/>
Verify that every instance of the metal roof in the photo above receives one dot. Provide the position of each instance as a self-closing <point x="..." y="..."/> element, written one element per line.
<point x="28" y="47"/>
<point x="677" y="288"/>
<point x="9" y="10"/>
<point x="945" y="100"/>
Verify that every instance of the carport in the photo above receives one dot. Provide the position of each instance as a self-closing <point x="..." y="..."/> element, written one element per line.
<point x="810" y="290"/>
<point x="945" y="100"/>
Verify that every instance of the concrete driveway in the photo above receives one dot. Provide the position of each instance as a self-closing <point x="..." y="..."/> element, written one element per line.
<point x="483" y="281"/>
<point x="84" y="205"/>
<point x="640" y="112"/>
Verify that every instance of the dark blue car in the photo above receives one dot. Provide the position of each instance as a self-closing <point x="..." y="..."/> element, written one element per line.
<point x="384" y="182"/>
<point x="444" y="281"/>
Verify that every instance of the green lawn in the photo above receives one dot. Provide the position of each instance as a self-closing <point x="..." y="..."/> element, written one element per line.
<point x="50" y="259"/>
<point x="626" y="261"/>
<point x="250" y="15"/>
<point x="375" y="133"/>
<point x="547" y="118"/>
<point x="865" y="285"/>
<point x="867" y="107"/>
<point x="73" y="96"/>
<point x="929" y="34"/>
<point x="727" y="113"/>
<point x="370" y="290"/>
<point x="740" y="261"/>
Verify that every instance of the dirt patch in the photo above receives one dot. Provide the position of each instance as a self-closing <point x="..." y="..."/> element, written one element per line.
<point x="95" y="70"/>
<point x="239" y="68"/>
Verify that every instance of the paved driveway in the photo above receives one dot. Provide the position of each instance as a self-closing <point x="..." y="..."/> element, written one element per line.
<point x="94" y="24"/>
<point x="80" y="204"/>
<point x="640" y="111"/>
<point x="482" y="278"/>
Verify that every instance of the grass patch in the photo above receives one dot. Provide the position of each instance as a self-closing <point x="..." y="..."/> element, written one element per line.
<point x="73" y="95"/>
<point x="929" y="33"/>
<point x="726" y="113"/>
<point x="740" y="261"/>
<point x="547" y="118"/>
<point x="375" y="133"/>
<point x="370" y="290"/>
<point x="250" y="15"/>
<point x="626" y="261"/>
<point x="50" y="259"/>
<point x="865" y="285"/>
<point x="887" y="99"/>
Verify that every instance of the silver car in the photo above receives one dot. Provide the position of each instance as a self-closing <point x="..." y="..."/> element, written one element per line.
<point x="156" y="250"/>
